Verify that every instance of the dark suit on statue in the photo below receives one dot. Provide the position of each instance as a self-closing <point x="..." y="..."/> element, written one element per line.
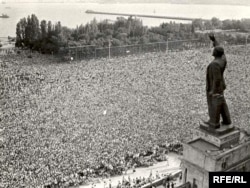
<point x="215" y="86"/>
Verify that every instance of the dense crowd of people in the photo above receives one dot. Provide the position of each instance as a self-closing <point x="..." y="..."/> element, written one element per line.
<point x="67" y="123"/>
<point x="167" y="180"/>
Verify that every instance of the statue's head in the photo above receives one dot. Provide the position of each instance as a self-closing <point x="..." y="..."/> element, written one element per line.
<point x="218" y="51"/>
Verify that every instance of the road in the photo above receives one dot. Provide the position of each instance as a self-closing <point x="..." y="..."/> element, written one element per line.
<point x="165" y="167"/>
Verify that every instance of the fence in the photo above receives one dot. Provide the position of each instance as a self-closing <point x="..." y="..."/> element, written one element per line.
<point x="7" y="46"/>
<point x="185" y="185"/>
<point x="88" y="52"/>
<point x="6" y="51"/>
<point x="163" y="181"/>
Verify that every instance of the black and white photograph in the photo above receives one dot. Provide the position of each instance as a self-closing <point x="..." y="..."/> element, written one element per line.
<point x="124" y="93"/>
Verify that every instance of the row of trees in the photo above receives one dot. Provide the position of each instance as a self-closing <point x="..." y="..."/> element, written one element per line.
<point x="239" y="25"/>
<point x="41" y="36"/>
<point x="173" y="31"/>
<point x="122" y="31"/>
<point x="47" y="38"/>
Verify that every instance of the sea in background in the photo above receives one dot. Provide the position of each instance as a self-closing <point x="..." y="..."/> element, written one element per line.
<point x="73" y="14"/>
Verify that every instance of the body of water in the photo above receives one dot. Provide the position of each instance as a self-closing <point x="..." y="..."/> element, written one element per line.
<point x="73" y="14"/>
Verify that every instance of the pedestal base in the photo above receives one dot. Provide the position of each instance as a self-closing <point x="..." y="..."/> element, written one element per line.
<point x="223" y="129"/>
<point x="223" y="137"/>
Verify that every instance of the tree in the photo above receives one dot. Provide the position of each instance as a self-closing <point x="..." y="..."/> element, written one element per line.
<point x="44" y="29"/>
<point x="105" y="25"/>
<point x="121" y="22"/>
<point x="197" y="24"/>
<point x="143" y="40"/>
<point x="216" y="23"/>
<point x="35" y="27"/>
<point x="93" y="29"/>
<point x="246" y="23"/>
<point x="227" y="24"/>
<point x="136" y="28"/>
<point x="20" y="32"/>
<point x="208" y="25"/>
<point x="45" y="37"/>
<point x="58" y="28"/>
<point x="32" y="31"/>
<point x="50" y="29"/>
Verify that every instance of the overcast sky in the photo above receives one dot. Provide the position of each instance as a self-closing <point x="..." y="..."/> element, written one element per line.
<point x="240" y="2"/>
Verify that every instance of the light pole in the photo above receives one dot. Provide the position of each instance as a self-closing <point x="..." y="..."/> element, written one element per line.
<point x="167" y="45"/>
<point x="246" y="39"/>
<point x="246" y="48"/>
<point x="109" y="47"/>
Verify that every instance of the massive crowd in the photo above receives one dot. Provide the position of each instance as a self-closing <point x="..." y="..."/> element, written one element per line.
<point x="67" y="123"/>
<point x="167" y="180"/>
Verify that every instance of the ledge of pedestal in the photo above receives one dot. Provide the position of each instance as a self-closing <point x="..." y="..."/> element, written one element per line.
<point x="222" y="137"/>
<point x="223" y="129"/>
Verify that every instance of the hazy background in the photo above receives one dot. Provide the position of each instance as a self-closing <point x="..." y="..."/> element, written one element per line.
<point x="72" y="12"/>
<point x="230" y="2"/>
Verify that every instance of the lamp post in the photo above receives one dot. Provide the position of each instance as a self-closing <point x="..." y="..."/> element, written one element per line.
<point x="246" y="48"/>
<point x="109" y="48"/>
<point x="246" y="39"/>
<point x="167" y="47"/>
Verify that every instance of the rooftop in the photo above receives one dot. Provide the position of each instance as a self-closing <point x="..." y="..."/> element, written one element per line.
<point x="203" y="145"/>
<point x="210" y="149"/>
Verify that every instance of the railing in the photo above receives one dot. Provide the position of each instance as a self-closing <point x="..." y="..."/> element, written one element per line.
<point x="89" y="52"/>
<point x="185" y="185"/>
<point x="6" y="41"/>
<point x="163" y="181"/>
<point x="6" y="51"/>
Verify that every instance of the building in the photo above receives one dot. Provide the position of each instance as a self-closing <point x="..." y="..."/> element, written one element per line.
<point x="224" y="149"/>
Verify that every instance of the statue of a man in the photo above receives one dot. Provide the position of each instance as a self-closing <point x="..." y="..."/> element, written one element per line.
<point x="215" y="86"/>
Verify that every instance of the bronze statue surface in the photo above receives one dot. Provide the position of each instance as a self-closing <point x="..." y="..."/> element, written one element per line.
<point x="215" y="86"/>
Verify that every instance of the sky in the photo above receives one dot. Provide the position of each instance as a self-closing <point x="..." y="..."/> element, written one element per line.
<point x="238" y="2"/>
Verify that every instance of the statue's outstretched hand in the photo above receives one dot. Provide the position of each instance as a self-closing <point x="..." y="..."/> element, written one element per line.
<point x="212" y="37"/>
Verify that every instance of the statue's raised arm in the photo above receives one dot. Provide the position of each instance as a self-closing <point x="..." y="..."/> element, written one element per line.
<point x="212" y="38"/>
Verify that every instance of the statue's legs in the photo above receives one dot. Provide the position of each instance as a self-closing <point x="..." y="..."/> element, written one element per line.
<point x="210" y="106"/>
<point x="213" y="111"/>
<point x="217" y="106"/>
<point x="226" y="120"/>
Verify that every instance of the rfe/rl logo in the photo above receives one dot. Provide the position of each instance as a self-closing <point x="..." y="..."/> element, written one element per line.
<point x="228" y="179"/>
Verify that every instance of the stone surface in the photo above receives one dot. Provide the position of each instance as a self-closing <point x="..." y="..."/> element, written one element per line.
<point x="223" y="129"/>
<point x="202" y="156"/>
<point x="223" y="137"/>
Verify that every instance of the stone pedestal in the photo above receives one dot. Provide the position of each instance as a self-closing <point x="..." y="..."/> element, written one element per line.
<point x="223" y="137"/>
<point x="223" y="129"/>
<point x="213" y="150"/>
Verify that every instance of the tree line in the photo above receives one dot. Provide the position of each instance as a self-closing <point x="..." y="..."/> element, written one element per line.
<point x="242" y="25"/>
<point x="40" y="36"/>
<point x="48" y="38"/>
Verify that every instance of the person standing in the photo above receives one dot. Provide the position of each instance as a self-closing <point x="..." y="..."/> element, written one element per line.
<point x="172" y="185"/>
<point x="168" y="185"/>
